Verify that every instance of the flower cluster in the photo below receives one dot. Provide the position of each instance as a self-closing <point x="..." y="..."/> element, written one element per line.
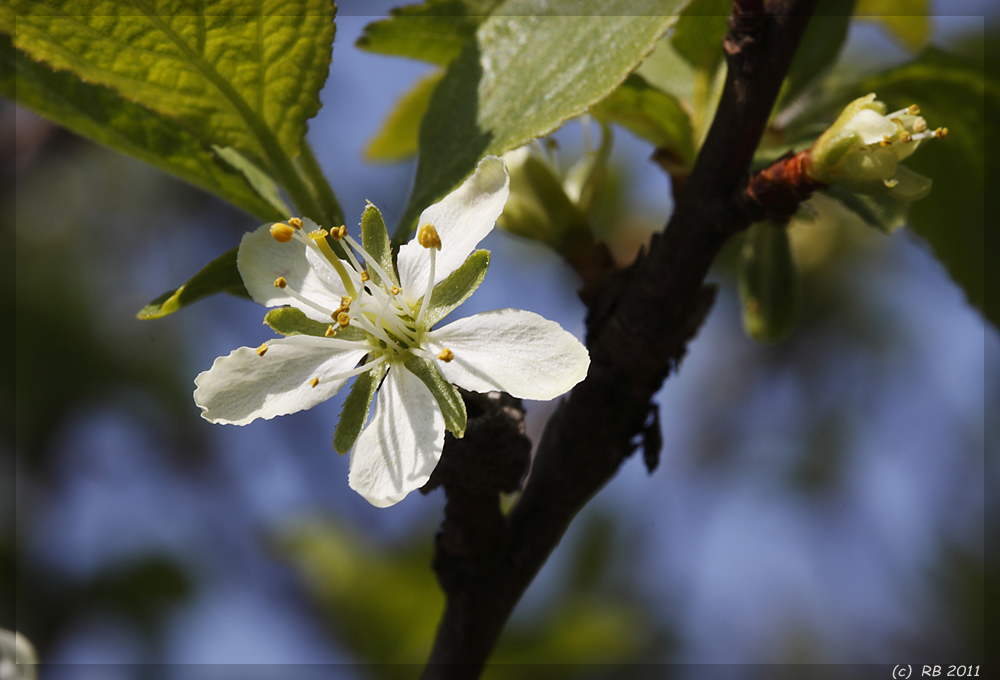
<point x="862" y="150"/>
<point x="347" y="310"/>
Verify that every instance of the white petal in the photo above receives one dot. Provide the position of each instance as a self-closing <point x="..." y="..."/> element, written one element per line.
<point x="462" y="219"/>
<point x="401" y="446"/>
<point x="261" y="260"/>
<point x="241" y="387"/>
<point x="871" y="126"/>
<point x="513" y="351"/>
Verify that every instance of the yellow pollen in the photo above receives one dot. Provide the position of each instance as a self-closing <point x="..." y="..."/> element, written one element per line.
<point x="913" y="110"/>
<point x="280" y="282"/>
<point x="317" y="234"/>
<point x="338" y="232"/>
<point x="941" y="133"/>
<point x="446" y="355"/>
<point x="281" y="232"/>
<point x="919" y="125"/>
<point x="330" y="331"/>
<point x="905" y="137"/>
<point x="886" y="141"/>
<point x="314" y="382"/>
<point x="295" y="222"/>
<point x="428" y="237"/>
<point x="364" y="276"/>
<point x="345" y="302"/>
<point x="344" y="319"/>
<point x="396" y="290"/>
<point x="262" y="350"/>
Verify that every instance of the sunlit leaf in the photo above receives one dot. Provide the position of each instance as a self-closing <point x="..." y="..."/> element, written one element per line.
<point x="433" y="31"/>
<point x="218" y="276"/>
<point x="908" y="21"/>
<point x="650" y="113"/>
<point x="397" y="139"/>
<point x="100" y="114"/>
<point x="246" y="80"/>
<point x="531" y="66"/>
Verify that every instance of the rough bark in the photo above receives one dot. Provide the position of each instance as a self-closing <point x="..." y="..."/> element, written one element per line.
<point x="639" y="324"/>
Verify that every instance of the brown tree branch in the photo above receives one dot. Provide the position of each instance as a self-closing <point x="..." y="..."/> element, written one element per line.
<point x="486" y="561"/>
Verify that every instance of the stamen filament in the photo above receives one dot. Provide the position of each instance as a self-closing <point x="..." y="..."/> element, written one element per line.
<point x="429" y="289"/>
<point x="369" y="260"/>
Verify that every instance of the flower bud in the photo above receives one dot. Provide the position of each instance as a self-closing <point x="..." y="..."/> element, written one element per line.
<point x="862" y="150"/>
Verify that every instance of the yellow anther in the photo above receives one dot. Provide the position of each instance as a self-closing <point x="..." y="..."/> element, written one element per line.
<point x="345" y="302"/>
<point x="330" y="331"/>
<point x="262" y="350"/>
<point x="941" y="133"/>
<point x="913" y="110"/>
<point x="295" y="222"/>
<point x="344" y="319"/>
<point x="446" y="355"/>
<point x="428" y="237"/>
<point x="338" y="232"/>
<point x="318" y="234"/>
<point x="919" y="125"/>
<point x="280" y="282"/>
<point x="314" y="382"/>
<point x="886" y="141"/>
<point x="396" y="290"/>
<point x="281" y="232"/>
<point x="905" y="137"/>
<point x="364" y="276"/>
<point x="890" y="182"/>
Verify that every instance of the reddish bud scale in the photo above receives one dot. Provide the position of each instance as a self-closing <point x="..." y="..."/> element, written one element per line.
<point x="777" y="191"/>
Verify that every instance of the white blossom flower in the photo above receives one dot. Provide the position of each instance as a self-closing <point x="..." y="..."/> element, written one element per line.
<point x="358" y="315"/>
<point x="862" y="150"/>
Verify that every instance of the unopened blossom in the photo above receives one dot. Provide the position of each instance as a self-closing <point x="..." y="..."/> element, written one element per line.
<point x="864" y="148"/>
<point x="361" y="315"/>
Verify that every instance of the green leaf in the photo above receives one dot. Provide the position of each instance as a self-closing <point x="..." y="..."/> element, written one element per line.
<point x="397" y="139"/>
<point x="375" y="239"/>
<point x="356" y="407"/>
<point x="447" y="397"/>
<point x="101" y="115"/>
<point x="952" y="92"/>
<point x="769" y="283"/>
<point x="248" y="81"/>
<point x="700" y="30"/>
<point x="457" y="287"/>
<point x="262" y="183"/>
<point x="218" y="276"/>
<point x="434" y="31"/>
<point x="532" y="66"/>
<point x="881" y="212"/>
<point x="291" y="321"/>
<point x="908" y="21"/>
<point x="651" y="114"/>
<point x="819" y="48"/>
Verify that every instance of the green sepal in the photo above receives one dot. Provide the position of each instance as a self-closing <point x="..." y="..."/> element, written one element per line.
<point x="769" y="283"/>
<point x="909" y="186"/>
<point x="883" y="212"/>
<point x="457" y="287"/>
<point x="218" y="276"/>
<point x="375" y="239"/>
<point x="356" y="407"/>
<point x="261" y="182"/>
<point x="827" y="154"/>
<point x="445" y="394"/>
<point x="291" y="321"/>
